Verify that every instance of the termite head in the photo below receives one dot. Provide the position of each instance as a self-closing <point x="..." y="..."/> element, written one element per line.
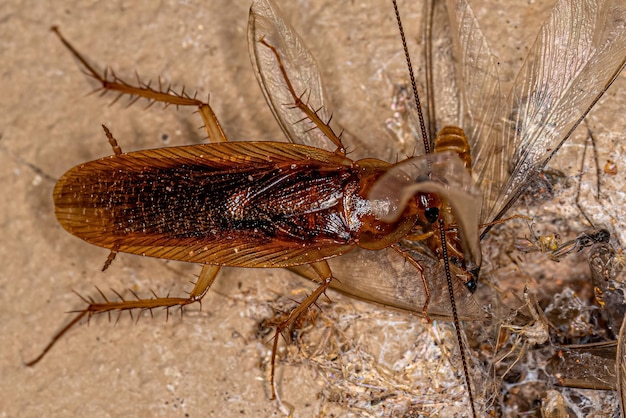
<point x="441" y="189"/>
<point x="429" y="207"/>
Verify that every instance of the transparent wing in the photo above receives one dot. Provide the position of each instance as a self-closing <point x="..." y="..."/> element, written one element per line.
<point x="384" y="277"/>
<point x="480" y="97"/>
<point x="578" y="53"/>
<point x="364" y="83"/>
<point x="266" y="23"/>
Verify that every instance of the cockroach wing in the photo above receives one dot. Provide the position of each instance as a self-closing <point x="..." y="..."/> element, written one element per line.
<point x="578" y="53"/>
<point x="620" y="365"/>
<point x="266" y="24"/>
<point x="442" y="173"/>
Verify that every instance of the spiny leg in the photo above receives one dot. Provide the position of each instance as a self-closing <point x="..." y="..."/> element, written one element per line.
<point x="167" y="96"/>
<point x="202" y="285"/>
<point x="322" y="269"/>
<point x="300" y="104"/>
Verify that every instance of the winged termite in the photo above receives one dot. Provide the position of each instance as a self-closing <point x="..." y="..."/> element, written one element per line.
<point x="552" y="244"/>
<point x="583" y="240"/>
<point x="402" y="290"/>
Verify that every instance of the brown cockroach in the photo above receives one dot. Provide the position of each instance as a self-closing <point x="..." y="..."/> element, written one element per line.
<point x="302" y="205"/>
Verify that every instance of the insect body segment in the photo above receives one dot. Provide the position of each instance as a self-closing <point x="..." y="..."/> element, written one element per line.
<point x="236" y="204"/>
<point x="452" y="138"/>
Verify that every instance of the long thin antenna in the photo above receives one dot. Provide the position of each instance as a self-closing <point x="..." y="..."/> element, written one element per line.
<point x="455" y="315"/>
<point x="420" y="115"/>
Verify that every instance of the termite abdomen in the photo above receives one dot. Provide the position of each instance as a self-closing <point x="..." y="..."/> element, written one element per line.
<point x="452" y="138"/>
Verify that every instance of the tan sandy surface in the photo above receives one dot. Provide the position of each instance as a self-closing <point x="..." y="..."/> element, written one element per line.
<point x="211" y="363"/>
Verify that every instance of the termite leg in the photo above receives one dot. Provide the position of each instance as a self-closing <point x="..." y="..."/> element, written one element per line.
<point x="322" y="269"/>
<point x="308" y="112"/>
<point x="167" y="96"/>
<point x="420" y="269"/>
<point x="202" y="285"/>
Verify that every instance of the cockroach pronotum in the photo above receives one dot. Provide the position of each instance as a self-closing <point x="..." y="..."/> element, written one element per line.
<point x="306" y="206"/>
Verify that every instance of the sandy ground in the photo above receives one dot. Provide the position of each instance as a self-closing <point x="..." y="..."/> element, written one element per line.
<point x="213" y="362"/>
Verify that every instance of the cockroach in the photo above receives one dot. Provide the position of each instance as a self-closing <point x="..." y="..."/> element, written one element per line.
<point x="307" y="207"/>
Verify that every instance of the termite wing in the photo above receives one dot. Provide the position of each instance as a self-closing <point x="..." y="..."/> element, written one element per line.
<point x="596" y="362"/>
<point x="577" y="55"/>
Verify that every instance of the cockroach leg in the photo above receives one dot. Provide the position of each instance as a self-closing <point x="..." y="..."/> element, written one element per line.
<point x="117" y="150"/>
<point x="419" y="237"/>
<point x="322" y="269"/>
<point x="202" y="285"/>
<point x="211" y="124"/>
<point x="309" y="113"/>
<point x="204" y="282"/>
<point x="109" y="260"/>
<point x="167" y="95"/>
<point x="420" y="269"/>
<point x="57" y="337"/>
